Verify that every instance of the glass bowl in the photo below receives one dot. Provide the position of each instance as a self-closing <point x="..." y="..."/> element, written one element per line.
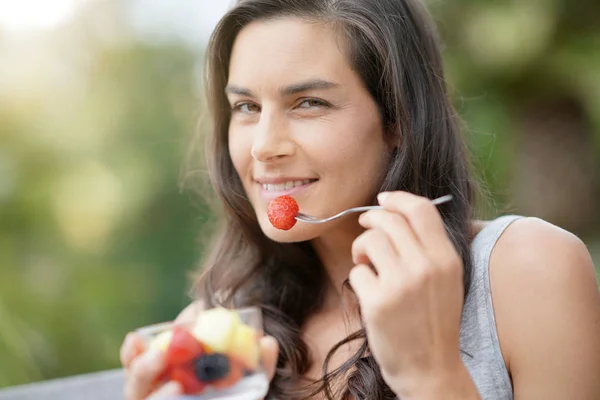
<point x="215" y="355"/>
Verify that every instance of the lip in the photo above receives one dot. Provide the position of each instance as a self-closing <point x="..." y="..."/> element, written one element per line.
<point x="267" y="195"/>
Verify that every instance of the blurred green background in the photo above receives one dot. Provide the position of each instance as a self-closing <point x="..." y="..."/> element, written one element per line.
<point x="99" y="101"/>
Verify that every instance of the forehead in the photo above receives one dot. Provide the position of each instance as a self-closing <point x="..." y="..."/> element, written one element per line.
<point x="284" y="50"/>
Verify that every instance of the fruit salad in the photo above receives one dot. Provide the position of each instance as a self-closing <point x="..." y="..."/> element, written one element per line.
<point x="215" y="351"/>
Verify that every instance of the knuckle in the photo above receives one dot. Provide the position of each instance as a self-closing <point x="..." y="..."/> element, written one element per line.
<point x="424" y="277"/>
<point x="397" y="221"/>
<point x="429" y="274"/>
<point x="369" y="233"/>
<point x="376" y="235"/>
<point x="422" y="263"/>
<point x="364" y="238"/>
<point x="371" y="214"/>
<point x="421" y="206"/>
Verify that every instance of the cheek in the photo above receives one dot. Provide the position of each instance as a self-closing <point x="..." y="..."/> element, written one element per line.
<point x="354" y="149"/>
<point x="240" y="153"/>
<point x="355" y="160"/>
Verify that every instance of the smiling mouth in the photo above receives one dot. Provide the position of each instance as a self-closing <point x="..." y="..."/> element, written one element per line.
<point x="277" y="187"/>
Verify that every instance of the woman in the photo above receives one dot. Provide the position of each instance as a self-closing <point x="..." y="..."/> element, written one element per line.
<point x="342" y="103"/>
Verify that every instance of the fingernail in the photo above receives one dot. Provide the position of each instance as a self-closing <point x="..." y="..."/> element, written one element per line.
<point x="382" y="196"/>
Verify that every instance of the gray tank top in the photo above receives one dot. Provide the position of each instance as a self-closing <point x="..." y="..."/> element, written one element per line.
<point x="480" y="349"/>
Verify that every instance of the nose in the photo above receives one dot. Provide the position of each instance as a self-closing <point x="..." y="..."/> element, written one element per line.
<point x="272" y="140"/>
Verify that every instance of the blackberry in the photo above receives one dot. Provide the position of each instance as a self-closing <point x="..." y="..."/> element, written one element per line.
<point x="211" y="367"/>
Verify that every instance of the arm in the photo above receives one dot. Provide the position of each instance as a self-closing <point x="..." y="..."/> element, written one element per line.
<point x="547" y="308"/>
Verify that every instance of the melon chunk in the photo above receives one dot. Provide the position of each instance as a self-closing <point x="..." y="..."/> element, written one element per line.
<point x="162" y="341"/>
<point x="244" y="346"/>
<point x="215" y="328"/>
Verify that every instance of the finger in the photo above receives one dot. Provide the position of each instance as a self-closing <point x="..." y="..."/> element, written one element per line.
<point x="422" y="215"/>
<point x="364" y="282"/>
<point x="169" y="390"/>
<point x="398" y="230"/>
<point x="142" y="374"/>
<point x="373" y="247"/>
<point x="269" y="351"/>
<point x="190" y="312"/>
<point x="132" y="346"/>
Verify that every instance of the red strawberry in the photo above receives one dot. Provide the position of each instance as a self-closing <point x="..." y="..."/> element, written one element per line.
<point x="184" y="347"/>
<point x="185" y="376"/>
<point x="282" y="212"/>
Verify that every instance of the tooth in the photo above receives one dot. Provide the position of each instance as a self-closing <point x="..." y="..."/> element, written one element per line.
<point x="272" y="187"/>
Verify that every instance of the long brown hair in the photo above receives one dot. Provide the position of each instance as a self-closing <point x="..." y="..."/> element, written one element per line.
<point x="392" y="45"/>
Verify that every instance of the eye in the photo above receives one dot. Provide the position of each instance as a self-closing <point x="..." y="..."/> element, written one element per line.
<point x="312" y="103"/>
<point x="246" y="108"/>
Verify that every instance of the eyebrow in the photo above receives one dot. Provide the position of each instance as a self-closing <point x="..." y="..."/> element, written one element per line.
<point x="316" y="84"/>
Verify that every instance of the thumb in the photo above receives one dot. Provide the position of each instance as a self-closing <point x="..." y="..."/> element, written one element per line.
<point x="269" y="352"/>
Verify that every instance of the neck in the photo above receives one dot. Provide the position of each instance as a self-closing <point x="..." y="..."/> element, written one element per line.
<point x="335" y="252"/>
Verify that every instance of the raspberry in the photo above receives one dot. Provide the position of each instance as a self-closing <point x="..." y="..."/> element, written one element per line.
<point x="282" y="212"/>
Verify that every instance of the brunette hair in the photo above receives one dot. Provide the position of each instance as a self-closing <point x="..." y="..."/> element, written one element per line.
<point x="393" y="46"/>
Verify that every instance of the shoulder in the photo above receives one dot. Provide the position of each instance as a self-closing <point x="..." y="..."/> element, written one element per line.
<point x="532" y="243"/>
<point x="533" y="252"/>
<point x="545" y="296"/>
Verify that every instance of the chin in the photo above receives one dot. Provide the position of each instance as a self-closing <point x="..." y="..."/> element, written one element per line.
<point x="299" y="232"/>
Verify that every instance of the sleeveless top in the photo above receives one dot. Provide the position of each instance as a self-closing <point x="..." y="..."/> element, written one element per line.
<point x="480" y="349"/>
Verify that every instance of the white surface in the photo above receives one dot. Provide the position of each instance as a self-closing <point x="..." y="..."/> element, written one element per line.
<point x="104" y="385"/>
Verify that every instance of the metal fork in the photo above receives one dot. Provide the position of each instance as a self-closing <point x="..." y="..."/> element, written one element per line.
<point x="314" y="220"/>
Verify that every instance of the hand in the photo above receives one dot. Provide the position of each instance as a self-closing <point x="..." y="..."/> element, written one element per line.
<point x="408" y="280"/>
<point x="143" y="367"/>
<point x="141" y="370"/>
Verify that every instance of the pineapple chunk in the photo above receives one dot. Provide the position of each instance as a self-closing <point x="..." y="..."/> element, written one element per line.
<point x="244" y="346"/>
<point x="162" y="341"/>
<point x="215" y="328"/>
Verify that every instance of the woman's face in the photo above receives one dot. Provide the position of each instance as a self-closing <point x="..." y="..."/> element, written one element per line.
<point x="302" y="124"/>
